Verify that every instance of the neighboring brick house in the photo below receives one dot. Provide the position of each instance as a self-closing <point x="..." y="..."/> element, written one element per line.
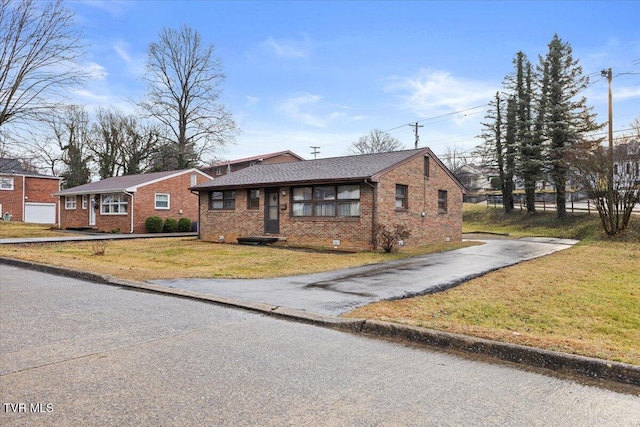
<point x="27" y="196"/>
<point x="124" y="203"/>
<point x="335" y="202"/>
<point x="223" y="168"/>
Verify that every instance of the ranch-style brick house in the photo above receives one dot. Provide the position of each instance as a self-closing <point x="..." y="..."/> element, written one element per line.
<point x="335" y="202"/>
<point x="26" y="196"/>
<point x="123" y="203"/>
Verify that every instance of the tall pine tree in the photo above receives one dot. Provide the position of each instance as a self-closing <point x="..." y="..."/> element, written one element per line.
<point x="566" y="115"/>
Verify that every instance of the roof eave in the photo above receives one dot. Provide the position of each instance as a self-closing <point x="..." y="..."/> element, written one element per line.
<point x="282" y="183"/>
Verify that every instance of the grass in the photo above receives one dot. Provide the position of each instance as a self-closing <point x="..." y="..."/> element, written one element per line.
<point x="584" y="300"/>
<point x="170" y="258"/>
<point x="9" y="229"/>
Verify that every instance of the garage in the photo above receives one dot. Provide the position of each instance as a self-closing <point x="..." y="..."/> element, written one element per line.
<point x="40" y="213"/>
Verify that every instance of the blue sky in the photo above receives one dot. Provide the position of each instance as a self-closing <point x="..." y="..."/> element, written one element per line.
<point x="324" y="73"/>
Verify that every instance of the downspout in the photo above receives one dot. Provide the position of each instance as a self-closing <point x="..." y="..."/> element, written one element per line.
<point x="24" y="194"/>
<point x="373" y="212"/>
<point x="132" y="208"/>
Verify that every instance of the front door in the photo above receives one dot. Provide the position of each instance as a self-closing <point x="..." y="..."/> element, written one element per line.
<point x="92" y="209"/>
<point x="272" y="211"/>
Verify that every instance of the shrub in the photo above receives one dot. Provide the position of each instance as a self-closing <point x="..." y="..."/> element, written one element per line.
<point x="184" y="225"/>
<point x="170" y="225"/>
<point x="99" y="247"/>
<point x="388" y="239"/>
<point x="153" y="224"/>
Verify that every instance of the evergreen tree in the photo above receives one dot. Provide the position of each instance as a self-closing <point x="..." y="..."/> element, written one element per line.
<point x="493" y="135"/>
<point x="510" y="149"/>
<point x="566" y="116"/>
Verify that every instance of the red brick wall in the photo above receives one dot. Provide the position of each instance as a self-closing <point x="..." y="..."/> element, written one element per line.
<point x="354" y="233"/>
<point x="182" y="203"/>
<point x="12" y="200"/>
<point x="36" y="190"/>
<point x="435" y="226"/>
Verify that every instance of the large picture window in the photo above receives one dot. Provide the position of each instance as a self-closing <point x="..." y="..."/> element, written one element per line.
<point x="114" y="204"/>
<point x="222" y="200"/>
<point x="327" y="201"/>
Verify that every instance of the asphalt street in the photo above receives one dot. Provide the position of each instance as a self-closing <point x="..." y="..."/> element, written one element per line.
<point x="337" y="292"/>
<point x="79" y="353"/>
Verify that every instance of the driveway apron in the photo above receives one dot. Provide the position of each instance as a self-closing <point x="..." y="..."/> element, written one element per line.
<point x="337" y="292"/>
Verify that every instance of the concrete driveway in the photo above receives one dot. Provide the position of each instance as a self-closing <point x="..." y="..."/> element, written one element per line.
<point x="337" y="292"/>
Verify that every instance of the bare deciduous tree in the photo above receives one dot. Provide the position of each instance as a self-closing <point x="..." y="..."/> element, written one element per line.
<point x="593" y="170"/>
<point x="71" y="132"/>
<point x="184" y="89"/>
<point x="376" y="141"/>
<point x="39" y="52"/>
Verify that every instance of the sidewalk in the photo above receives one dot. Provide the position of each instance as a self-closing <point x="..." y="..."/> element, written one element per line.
<point x="90" y="237"/>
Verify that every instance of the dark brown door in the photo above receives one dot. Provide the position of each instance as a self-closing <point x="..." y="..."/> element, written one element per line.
<point x="272" y="211"/>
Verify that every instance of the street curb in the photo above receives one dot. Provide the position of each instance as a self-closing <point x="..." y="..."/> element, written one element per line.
<point x="588" y="367"/>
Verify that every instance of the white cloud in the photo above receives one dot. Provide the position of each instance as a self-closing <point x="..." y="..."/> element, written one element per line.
<point x="95" y="70"/>
<point x="120" y="48"/>
<point x="288" y="49"/>
<point x="435" y="92"/>
<point x="135" y="63"/>
<point x="297" y="108"/>
<point x="251" y="101"/>
<point x="113" y="7"/>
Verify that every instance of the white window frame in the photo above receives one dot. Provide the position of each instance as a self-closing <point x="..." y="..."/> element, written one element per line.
<point x="70" y="203"/>
<point x="84" y="201"/>
<point x="6" y="183"/>
<point x="117" y="201"/>
<point x="163" y="208"/>
<point x="194" y="179"/>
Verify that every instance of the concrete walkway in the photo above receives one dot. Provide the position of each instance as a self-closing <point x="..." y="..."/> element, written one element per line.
<point x="334" y="293"/>
<point x="85" y="237"/>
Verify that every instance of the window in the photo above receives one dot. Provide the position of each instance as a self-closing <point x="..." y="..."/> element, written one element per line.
<point x="113" y="204"/>
<point x="327" y="201"/>
<point x="402" y="196"/>
<point x="194" y="179"/>
<point x="6" y="183"/>
<point x="162" y="201"/>
<point x="69" y="202"/>
<point x="84" y="201"/>
<point x="218" y="171"/>
<point x="629" y="168"/>
<point x="222" y="200"/>
<point x="615" y="169"/>
<point x="426" y="166"/>
<point x="442" y="201"/>
<point x="253" y="201"/>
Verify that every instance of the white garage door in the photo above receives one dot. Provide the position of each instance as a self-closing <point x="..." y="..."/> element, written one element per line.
<point x="40" y="213"/>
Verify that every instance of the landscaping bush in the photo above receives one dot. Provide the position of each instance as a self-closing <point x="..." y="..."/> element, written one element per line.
<point x="184" y="225"/>
<point x="387" y="239"/>
<point x="170" y="225"/>
<point x="153" y="224"/>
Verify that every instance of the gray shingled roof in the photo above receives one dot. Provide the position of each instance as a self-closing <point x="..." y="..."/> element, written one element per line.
<point x="120" y="183"/>
<point x="358" y="167"/>
<point x="14" y="167"/>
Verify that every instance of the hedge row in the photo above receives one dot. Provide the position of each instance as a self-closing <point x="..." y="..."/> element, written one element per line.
<point x="155" y="224"/>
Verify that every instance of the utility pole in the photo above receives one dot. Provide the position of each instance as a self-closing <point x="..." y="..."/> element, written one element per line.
<point x="315" y="151"/>
<point x="609" y="75"/>
<point x="415" y="127"/>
